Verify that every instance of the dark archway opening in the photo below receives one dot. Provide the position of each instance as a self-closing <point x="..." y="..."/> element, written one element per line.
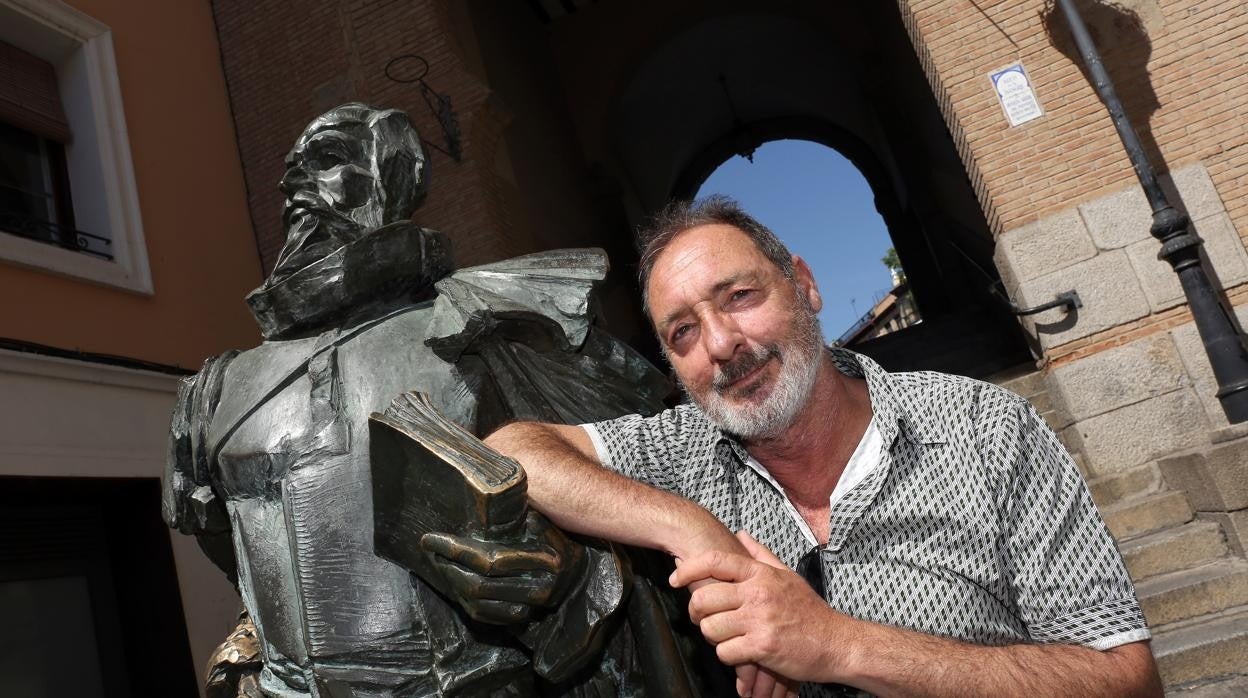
<point x="730" y="81"/>
<point x="656" y="94"/>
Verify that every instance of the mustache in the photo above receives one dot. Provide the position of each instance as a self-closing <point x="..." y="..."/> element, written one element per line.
<point x="735" y="370"/>
<point x="305" y="204"/>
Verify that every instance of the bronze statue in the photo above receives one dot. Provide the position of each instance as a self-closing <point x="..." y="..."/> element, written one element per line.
<point x="269" y="450"/>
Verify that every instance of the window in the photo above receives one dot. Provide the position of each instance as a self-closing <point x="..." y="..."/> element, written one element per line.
<point x="68" y="200"/>
<point x="35" y="202"/>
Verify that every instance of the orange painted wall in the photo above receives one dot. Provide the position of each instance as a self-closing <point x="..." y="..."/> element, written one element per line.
<point x="200" y="243"/>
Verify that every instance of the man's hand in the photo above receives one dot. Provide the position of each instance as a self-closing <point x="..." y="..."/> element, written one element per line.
<point x="768" y="615"/>
<point x="762" y="613"/>
<point x="505" y="583"/>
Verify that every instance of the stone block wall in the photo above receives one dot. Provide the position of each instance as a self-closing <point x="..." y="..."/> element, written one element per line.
<point x="1139" y="400"/>
<point x="1068" y="213"/>
<point x="1102" y="249"/>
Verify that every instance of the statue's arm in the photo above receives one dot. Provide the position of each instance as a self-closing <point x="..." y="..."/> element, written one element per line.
<point x="190" y="505"/>
<point x="189" y="502"/>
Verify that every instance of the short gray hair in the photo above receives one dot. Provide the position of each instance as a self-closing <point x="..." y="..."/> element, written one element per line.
<point x="683" y="214"/>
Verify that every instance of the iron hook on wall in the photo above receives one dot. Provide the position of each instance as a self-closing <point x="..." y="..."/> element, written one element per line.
<point x="439" y="104"/>
<point x="1069" y="300"/>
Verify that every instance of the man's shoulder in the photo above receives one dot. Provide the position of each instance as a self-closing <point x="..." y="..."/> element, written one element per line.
<point x="934" y="387"/>
<point x="944" y="405"/>
<point x="683" y="417"/>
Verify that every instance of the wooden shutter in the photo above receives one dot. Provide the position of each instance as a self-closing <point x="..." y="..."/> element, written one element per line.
<point x="29" y="98"/>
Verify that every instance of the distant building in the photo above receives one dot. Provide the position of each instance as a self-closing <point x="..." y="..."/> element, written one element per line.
<point x="895" y="311"/>
<point x="125" y="250"/>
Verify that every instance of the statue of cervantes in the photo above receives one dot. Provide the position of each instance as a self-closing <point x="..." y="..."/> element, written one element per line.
<point x="269" y="454"/>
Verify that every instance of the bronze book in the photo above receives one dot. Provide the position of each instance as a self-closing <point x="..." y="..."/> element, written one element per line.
<point x="432" y="475"/>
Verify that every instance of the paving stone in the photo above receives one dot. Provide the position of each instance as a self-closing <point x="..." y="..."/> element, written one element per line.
<point x="1045" y="246"/>
<point x="1120" y="376"/>
<point x="1176" y="596"/>
<point x="1146" y="514"/>
<point x="1043" y="402"/>
<point x="1215" y="478"/>
<point x="1133" y="482"/>
<point x="1072" y="441"/>
<point x="1080" y="463"/>
<point x="1142" y="431"/>
<point x="1107" y="286"/>
<point x="1119" y="219"/>
<point x="1173" y="549"/>
<point x="1056" y="419"/>
<point x="1223" y="249"/>
<point x="1214" y="646"/>
<point x="1234" y="686"/>
<point x="1025" y="384"/>
<point x="1235" y="525"/>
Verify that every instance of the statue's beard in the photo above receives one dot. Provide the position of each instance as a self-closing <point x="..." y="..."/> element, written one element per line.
<point x="312" y="235"/>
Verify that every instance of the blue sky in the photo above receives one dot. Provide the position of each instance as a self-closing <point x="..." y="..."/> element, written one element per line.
<point x="821" y="207"/>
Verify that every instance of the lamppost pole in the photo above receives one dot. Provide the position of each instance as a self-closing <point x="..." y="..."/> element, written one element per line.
<point x="1180" y="247"/>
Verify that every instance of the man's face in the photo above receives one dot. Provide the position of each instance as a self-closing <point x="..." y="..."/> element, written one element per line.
<point x="333" y="192"/>
<point x="743" y="339"/>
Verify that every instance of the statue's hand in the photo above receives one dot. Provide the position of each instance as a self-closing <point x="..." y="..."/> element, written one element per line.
<point x="505" y="583"/>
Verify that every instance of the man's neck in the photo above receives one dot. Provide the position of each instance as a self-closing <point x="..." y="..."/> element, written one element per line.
<point x="807" y="459"/>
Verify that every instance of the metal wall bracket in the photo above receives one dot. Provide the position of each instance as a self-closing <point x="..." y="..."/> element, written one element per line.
<point x="1069" y="300"/>
<point x="439" y="104"/>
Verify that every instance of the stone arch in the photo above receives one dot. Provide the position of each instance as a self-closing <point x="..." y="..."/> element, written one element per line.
<point x="739" y="77"/>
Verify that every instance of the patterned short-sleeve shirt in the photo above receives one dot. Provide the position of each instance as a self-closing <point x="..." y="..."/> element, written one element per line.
<point x="975" y="525"/>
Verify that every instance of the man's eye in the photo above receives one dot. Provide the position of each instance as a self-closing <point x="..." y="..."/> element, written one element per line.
<point x="326" y="159"/>
<point x="680" y="332"/>
<point x="741" y="294"/>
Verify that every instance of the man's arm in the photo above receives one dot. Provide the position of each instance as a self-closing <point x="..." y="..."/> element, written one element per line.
<point x="568" y="484"/>
<point x="767" y="614"/>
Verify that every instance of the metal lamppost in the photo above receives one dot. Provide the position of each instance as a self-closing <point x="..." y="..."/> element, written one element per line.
<point x="1180" y="247"/>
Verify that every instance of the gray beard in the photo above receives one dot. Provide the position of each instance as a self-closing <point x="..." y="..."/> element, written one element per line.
<point x="799" y="364"/>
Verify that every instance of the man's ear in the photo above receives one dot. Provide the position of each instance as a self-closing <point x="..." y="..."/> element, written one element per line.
<point x="805" y="280"/>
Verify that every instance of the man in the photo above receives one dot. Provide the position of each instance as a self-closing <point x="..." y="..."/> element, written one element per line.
<point x="954" y="544"/>
<point x="269" y="456"/>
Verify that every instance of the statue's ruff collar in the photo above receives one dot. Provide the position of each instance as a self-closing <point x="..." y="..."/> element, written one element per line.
<point x="392" y="266"/>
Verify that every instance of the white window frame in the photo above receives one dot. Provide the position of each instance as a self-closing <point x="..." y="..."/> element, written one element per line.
<point x="101" y="174"/>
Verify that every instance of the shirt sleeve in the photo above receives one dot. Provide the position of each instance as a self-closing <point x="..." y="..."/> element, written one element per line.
<point x="1069" y="580"/>
<point x="648" y="449"/>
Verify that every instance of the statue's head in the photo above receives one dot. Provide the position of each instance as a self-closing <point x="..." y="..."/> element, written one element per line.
<point x="353" y="170"/>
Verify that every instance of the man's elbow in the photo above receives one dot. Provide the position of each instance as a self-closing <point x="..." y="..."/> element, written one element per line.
<point x="510" y="438"/>
<point x="1138" y="669"/>
<point x="535" y="444"/>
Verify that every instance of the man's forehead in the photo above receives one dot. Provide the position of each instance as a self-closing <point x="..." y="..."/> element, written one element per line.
<point x="350" y="126"/>
<point x="706" y="247"/>
<point x="701" y="262"/>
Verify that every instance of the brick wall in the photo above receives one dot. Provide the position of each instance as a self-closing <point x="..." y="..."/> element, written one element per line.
<point x="285" y="62"/>
<point x="1182" y="80"/>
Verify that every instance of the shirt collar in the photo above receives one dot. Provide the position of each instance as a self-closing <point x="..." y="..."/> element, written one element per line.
<point x="898" y="409"/>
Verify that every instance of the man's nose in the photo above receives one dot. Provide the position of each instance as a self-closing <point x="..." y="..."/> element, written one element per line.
<point x="721" y="336"/>
<point x="293" y="180"/>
